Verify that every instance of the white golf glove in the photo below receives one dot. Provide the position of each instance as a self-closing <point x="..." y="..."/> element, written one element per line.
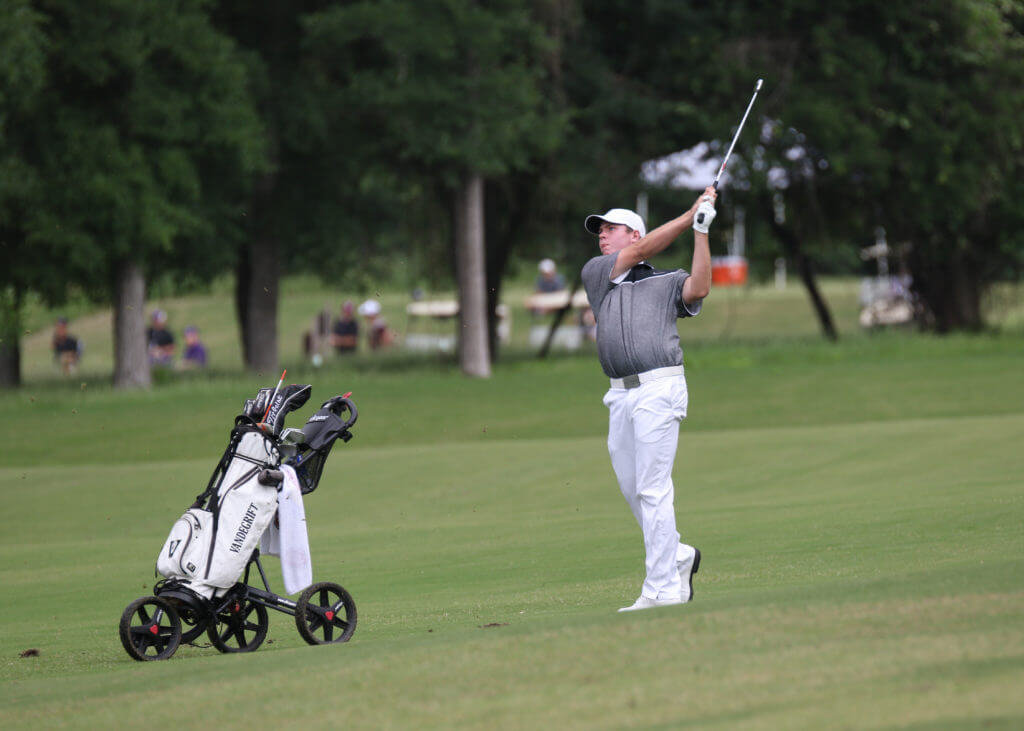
<point x="704" y="216"/>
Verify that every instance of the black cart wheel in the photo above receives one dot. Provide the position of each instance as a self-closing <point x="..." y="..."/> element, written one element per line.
<point x="325" y="613"/>
<point x="193" y="610"/>
<point x="193" y="621"/>
<point x="239" y="626"/>
<point x="150" y="629"/>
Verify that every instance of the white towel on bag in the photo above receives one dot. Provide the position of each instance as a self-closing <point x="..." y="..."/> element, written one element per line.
<point x="287" y="537"/>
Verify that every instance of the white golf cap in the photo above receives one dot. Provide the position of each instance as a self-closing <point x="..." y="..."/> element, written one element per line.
<point x="547" y="265"/>
<point x="369" y="308"/>
<point x="616" y="215"/>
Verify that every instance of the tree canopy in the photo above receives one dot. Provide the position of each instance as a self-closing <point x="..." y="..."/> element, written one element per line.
<point x="199" y="136"/>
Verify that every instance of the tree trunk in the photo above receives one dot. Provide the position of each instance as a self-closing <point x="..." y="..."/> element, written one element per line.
<point x="10" y="339"/>
<point x="948" y="289"/>
<point x="966" y="296"/>
<point x="258" y="306"/>
<point x="243" y="275"/>
<point x="507" y="207"/>
<point x="498" y="240"/>
<point x="469" y="266"/>
<point x="131" y="363"/>
<point x="791" y="243"/>
<point x="258" y="276"/>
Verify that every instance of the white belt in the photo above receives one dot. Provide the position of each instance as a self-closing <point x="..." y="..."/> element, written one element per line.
<point x="646" y="376"/>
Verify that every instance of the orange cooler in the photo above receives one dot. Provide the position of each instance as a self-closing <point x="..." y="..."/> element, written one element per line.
<point x="728" y="270"/>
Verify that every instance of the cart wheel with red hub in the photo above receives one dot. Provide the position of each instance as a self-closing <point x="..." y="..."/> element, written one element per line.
<point x="325" y="613"/>
<point x="150" y="629"/>
<point x="239" y="625"/>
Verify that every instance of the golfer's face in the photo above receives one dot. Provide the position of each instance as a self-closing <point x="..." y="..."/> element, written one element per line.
<point x="614" y="237"/>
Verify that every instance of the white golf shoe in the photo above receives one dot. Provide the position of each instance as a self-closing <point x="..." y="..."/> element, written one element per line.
<point x="647" y="603"/>
<point x="687" y="568"/>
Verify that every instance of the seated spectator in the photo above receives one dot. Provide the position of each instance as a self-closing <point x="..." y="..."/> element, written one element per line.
<point x="345" y="333"/>
<point x="589" y="325"/>
<point x="378" y="332"/>
<point x="195" y="352"/>
<point x="160" y="340"/>
<point x="67" y="350"/>
<point x="549" y="280"/>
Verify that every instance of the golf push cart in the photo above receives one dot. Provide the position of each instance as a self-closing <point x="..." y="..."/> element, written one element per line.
<point x="253" y="500"/>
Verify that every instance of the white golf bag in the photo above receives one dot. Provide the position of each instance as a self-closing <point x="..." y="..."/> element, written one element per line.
<point x="211" y="544"/>
<point x="209" y="548"/>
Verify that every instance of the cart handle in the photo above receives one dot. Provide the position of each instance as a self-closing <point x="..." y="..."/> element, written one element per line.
<point x="339" y="405"/>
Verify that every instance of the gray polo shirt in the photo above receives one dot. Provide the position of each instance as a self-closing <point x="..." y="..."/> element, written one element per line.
<point x="636" y="316"/>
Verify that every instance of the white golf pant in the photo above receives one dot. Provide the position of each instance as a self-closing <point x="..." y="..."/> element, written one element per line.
<point x="643" y="433"/>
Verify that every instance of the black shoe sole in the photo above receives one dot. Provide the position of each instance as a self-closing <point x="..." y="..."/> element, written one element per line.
<point x="696" y="567"/>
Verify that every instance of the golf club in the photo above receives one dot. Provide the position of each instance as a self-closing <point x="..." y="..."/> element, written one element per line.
<point x="757" y="88"/>
<point x="736" y="136"/>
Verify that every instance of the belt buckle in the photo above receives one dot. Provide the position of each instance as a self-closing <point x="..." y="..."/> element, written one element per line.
<point x="631" y="381"/>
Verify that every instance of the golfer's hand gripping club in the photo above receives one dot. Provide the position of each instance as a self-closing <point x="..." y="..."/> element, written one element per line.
<point x="704" y="216"/>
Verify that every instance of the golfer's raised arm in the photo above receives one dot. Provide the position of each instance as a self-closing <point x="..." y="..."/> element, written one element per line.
<point x="659" y="239"/>
<point x="698" y="284"/>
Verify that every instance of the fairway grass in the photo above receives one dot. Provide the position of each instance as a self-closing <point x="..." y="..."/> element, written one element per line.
<point x="859" y="510"/>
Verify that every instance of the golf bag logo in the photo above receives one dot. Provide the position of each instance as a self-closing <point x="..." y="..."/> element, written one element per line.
<point x="187" y="545"/>
<point x="290" y="398"/>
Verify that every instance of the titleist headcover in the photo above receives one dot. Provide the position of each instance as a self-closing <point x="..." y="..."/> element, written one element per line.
<point x="287" y="400"/>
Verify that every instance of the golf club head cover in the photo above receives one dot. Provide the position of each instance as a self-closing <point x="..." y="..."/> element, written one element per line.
<point x="322" y="428"/>
<point x="255" y="408"/>
<point x="288" y="399"/>
<point x="704" y="216"/>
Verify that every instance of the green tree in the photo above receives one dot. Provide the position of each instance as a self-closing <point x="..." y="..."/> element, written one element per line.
<point x="325" y="205"/>
<point x="914" y="111"/>
<point x="22" y="76"/>
<point x="144" y="108"/>
<point x="450" y="93"/>
<point x="277" y="212"/>
<point x="906" y="116"/>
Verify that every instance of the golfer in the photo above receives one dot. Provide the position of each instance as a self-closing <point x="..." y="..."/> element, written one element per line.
<point x="636" y="307"/>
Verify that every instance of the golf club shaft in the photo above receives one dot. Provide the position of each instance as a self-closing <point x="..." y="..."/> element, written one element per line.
<point x="739" y="129"/>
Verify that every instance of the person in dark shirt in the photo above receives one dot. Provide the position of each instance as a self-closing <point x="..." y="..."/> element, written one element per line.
<point x="161" y="341"/>
<point x="195" y="352"/>
<point x="345" y="333"/>
<point x="549" y="280"/>
<point x="67" y="350"/>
